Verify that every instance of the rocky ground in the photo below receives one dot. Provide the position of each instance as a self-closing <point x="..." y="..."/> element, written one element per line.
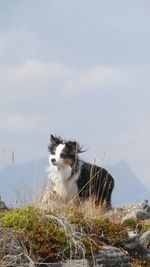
<point x="71" y="236"/>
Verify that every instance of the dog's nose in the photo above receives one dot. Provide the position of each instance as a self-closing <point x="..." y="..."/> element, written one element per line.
<point x="53" y="160"/>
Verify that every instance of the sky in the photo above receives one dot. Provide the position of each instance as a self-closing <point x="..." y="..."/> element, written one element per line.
<point x="80" y="70"/>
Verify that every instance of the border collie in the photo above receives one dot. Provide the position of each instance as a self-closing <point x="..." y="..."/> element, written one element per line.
<point x="72" y="178"/>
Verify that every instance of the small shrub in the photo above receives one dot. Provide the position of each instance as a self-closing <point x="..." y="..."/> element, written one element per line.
<point x="131" y="223"/>
<point x="145" y="225"/>
<point x="111" y="233"/>
<point x="74" y="216"/>
<point x="42" y="238"/>
<point x="142" y="262"/>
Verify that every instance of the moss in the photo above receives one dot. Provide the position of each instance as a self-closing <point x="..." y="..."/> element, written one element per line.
<point x="42" y="238"/>
<point x="145" y="225"/>
<point x="74" y="216"/>
<point x="20" y="218"/>
<point x="2" y="213"/>
<point x="48" y="242"/>
<point x="50" y="236"/>
<point x="142" y="262"/>
<point x="141" y="226"/>
<point x="131" y="223"/>
<point x="89" y="244"/>
<point x="112" y="233"/>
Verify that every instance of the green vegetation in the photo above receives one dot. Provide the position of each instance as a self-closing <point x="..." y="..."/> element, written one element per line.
<point x="111" y="233"/>
<point x="51" y="236"/>
<point x="141" y="226"/>
<point x="42" y="237"/>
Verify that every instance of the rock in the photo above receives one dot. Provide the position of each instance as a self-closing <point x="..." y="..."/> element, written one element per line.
<point x="132" y="244"/>
<point x="144" y="239"/>
<point x="110" y="256"/>
<point x="2" y="205"/>
<point x="138" y="246"/>
<point x="11" y="253"/>
<point x="140" y="211"/>
<point x="76" y="263"/>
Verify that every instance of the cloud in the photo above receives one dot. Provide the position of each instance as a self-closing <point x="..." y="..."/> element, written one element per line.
<point x="96" y="77"/>
<point x="36" y="86"/>
<point x="16" y="45"/>
<point x="19" y="123"/>
<point x="37" y="96"/>
<point x="34" y="75"/>
<point x="113" y="78"/>
<point x="10" y="122"/>
<point x="25" y="85"/>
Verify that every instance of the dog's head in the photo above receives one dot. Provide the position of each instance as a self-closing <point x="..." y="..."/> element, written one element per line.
<point x="63" y="152"/>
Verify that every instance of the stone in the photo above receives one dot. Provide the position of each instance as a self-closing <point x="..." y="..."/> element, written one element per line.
<point x="76" y="263"/>
<point x="140" y="211"/>
<point x="2" y="205"/>
<point x="110" y="256"/>
<point x="144" y="238"/>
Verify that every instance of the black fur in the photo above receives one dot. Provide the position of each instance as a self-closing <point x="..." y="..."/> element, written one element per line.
<point x="54" y="142"/>
<point x="96" y="182"/>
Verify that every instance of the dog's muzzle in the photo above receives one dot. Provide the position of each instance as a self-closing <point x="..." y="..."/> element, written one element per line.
<point x="53" y="161"/>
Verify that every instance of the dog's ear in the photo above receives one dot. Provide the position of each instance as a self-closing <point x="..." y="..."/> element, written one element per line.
<point x="80" y="148"/>
<point x="76" y="148"/>
<point x="55" y="140"/>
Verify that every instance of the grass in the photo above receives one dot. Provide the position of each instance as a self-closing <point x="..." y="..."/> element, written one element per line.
<point x="55" y="232"/>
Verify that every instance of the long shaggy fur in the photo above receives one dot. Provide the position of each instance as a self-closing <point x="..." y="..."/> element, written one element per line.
<point x="73" y="178"/>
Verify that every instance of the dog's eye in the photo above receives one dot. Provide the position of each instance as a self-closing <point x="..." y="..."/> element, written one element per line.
<point x="63" y="155"/>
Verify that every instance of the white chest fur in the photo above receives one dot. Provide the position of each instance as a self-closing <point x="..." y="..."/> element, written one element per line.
<point x="64" y="184"/>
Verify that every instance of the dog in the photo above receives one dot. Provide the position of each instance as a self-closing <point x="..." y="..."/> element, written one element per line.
<point x="72" y="178"/>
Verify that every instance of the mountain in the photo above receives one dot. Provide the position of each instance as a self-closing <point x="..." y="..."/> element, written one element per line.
<point x="20" y="183"/>
<point x="128" y="188"/>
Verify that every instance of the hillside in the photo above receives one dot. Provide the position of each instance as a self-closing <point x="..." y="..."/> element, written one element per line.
<point x="18" y="182"/>
<point x="128" y="187"/>
<point x="41" y="234"/>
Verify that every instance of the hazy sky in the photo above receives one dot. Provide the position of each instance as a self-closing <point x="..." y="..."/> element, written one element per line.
<point x="79" y="69"/>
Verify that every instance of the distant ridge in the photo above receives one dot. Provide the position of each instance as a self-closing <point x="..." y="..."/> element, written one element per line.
<point x="128" y="188"/>
<point x="19" y="180"/>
